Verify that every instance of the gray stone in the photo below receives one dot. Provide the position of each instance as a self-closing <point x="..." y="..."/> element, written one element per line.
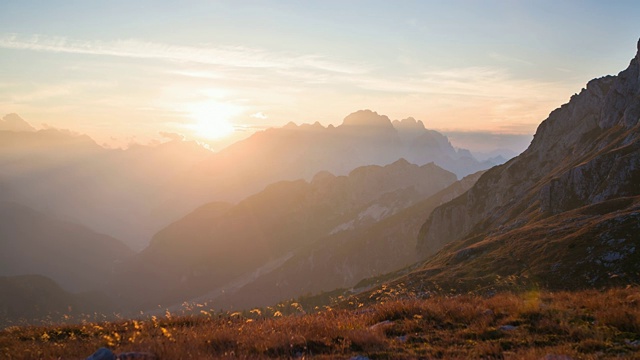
<point x="102" y="354"/>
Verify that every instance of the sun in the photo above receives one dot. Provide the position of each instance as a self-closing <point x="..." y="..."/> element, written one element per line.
<point x="212" y="119"/>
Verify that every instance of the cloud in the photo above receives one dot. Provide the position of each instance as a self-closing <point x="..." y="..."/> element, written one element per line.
<point x="232" y="56"/>
<point x="171" y="136"/>
<point x="259" y="115"/>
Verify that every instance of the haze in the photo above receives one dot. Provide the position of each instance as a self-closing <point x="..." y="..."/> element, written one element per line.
<point x="125" y="72"/>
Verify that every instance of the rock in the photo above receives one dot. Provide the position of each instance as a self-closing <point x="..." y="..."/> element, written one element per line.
<point x="381" y="324"/>
<point x="106" y="354"/>
<point x="634" y="343"/>
<point x="103" y="354"/>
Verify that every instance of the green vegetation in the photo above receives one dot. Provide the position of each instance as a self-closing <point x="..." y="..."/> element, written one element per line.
<point x="527" y="325"/>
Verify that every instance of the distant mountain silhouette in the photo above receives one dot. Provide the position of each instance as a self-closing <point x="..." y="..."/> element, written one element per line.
<point x="74" y="256"/>
<point x="219" y="243"/>
<point x="131" y="194"/>
<point x="13" y="122"/>
<point x="123" y="193"/>
<point x="294" y="152"/>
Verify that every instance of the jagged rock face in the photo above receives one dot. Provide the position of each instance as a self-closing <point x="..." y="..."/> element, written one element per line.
<point x="585" y="152"/>
<point x="622" y="105"/>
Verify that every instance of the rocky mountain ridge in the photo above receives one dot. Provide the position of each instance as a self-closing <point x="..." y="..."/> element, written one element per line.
<point x="585" y="152"/>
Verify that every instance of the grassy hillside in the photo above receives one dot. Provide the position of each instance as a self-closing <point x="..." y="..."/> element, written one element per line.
<point x="528" y="325"/>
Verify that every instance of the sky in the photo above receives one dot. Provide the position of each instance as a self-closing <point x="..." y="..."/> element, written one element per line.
<point x="139" y="71"/>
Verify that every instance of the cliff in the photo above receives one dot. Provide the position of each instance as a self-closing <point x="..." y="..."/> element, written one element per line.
<point x="585" y="152"/>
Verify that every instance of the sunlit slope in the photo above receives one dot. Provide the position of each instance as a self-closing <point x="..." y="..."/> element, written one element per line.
<point x="219" y="242"/>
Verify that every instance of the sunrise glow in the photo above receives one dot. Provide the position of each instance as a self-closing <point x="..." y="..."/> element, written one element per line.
<point x="212" y="120"/>
<point x="122" y="72"/>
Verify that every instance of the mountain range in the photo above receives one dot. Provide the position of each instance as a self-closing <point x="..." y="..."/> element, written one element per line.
<point x="345" y="257"/>
<point x="219" y="243"/>
<point x="133" y="193"/>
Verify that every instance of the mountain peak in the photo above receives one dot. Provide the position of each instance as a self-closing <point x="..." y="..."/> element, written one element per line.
<point x="621" y="104"/>
<point x="367" y="118"/>
<point x="409" y="124"/>
<point x="13" y="122"/>
<point x="586" y="152"/>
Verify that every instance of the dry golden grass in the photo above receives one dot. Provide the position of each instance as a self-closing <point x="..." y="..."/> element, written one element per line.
<point x="531" y="325"/>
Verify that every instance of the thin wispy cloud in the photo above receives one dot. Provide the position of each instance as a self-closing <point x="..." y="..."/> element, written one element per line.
<point x="232" y="56"/>
<point x="475" y="97"/>
<point x="469" y="82"/>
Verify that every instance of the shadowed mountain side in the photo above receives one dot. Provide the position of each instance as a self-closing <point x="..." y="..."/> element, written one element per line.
<point x="74" y="256"/>
<point x="343" y="259"/>
<point x="586" y="152"/>
<point x="34" y="298"/>
<point x="219" y="242"/>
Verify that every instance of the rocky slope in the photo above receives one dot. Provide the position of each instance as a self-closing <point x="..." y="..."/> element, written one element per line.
<point x="74" y="256"/>
<point x="577" y="185"/>
<point x="219" y="243"/>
